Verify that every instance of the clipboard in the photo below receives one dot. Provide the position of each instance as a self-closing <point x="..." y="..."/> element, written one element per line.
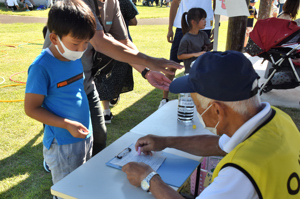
<point x="174" y="171"/>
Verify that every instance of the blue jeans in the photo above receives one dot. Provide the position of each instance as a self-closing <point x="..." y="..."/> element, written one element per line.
<point x="175" y="45"/>
<point x="98" y="122"/>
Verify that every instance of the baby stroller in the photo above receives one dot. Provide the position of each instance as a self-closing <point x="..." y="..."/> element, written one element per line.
<point x="278" y="41"/>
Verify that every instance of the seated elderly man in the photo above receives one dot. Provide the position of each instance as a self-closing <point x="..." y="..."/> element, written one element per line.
<point x="260" y="142"/>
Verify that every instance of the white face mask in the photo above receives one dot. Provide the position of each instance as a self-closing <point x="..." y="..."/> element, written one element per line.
<point x="211" y="129"/>
<point x="69" y="54"/>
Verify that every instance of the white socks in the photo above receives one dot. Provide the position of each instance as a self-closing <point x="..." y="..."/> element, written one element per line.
<point x="106" y="112"/>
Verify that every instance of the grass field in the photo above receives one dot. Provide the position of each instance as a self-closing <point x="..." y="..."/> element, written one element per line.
<point x="21" y="171"/>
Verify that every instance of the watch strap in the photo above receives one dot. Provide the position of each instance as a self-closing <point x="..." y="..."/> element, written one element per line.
<point x="144" y="72"/>
<point x="149" y="177"/>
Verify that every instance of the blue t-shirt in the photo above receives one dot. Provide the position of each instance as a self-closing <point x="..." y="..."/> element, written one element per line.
<point x="61" y="82"/>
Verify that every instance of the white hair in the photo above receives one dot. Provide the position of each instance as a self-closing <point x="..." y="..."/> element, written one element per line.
<point x="241" y="107"/>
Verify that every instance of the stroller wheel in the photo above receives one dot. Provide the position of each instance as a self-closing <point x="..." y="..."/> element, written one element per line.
<point x="266" y="89"/>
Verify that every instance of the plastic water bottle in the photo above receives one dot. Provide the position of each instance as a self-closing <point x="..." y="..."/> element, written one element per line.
<point x="185" y="108"/>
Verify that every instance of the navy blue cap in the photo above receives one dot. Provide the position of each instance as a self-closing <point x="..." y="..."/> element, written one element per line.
<point x="222" y="76"/>
<point x="253" y="1"/>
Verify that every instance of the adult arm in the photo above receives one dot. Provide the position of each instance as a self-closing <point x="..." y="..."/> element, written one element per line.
<point x="224" y="186"/>
<point x="120" y="52"/>
<point x="136" y="172"/>
<point x="33" y="108"/>
<point x="200" y="145"/>
<point x="155" y="78"/>
<point x="172" y="15"/>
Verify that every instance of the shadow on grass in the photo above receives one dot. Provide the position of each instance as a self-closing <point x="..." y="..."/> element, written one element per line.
<point x="135" y="114"/>
<point x="25" y="164"/>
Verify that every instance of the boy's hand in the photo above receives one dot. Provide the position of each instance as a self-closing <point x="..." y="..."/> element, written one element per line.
<point x="76" y="129"/>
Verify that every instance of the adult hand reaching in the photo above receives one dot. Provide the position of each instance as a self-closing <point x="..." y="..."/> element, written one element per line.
<point x="158" y="80"/>
<point x="162" y="65"/>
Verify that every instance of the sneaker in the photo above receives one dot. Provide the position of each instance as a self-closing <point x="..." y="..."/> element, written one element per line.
<point x="163" y="102"/>
<point x="108" y="118"/>
<point x="27" y="10"/>
<point x="46" y="167"/>
<point x="114" y="102"/>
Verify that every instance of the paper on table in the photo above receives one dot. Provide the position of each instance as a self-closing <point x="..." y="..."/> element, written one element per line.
<point x="153" y="161"/>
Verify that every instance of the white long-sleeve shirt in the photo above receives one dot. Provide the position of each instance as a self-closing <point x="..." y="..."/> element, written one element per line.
<point x="12" y="3"/>
<point x="230" y="182"/>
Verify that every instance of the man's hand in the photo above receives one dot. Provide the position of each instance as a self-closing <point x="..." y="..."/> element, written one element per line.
<point x="161" y="64"/>
<point x="76" y="129"/>
<point x="136" y="172"/>
<point x="151" y="143"/>
<point x="170" y="36"/>
<point x="158" y="80"/>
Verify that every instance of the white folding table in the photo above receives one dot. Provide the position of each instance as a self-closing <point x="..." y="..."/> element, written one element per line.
<point x="96" y="180"/>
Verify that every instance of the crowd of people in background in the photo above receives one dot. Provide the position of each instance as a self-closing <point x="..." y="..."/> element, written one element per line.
<point x="28" y="5"/>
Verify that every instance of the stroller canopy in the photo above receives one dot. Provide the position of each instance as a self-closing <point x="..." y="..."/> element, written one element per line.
<point x="269" y="33"/>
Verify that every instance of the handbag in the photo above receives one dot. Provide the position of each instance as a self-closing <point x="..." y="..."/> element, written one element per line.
<point x="102" y="64"/>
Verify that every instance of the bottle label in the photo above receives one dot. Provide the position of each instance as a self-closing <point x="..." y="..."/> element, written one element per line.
<point x="186" y="101"/>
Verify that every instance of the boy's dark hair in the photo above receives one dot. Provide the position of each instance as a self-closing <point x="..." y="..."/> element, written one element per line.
<point x="195" y="14"/>
<point x="291" y="7"/>
<point x="71" y="16"/>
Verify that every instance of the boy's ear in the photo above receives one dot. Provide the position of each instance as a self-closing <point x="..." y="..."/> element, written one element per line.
<point x="53" y="38"/>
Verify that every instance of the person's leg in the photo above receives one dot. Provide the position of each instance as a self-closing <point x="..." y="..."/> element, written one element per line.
<point x="97" y="117"/>
<point x="280" y="7"/>
<point x="107" y="114"/>
<point x="13" y="8"/>
<point x="173" y="56"/>
<point x="248" y="30"/>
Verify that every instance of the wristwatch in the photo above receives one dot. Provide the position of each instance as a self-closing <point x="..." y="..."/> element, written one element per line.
<point x="144" y="72"/>
<point x="145" y="184"/>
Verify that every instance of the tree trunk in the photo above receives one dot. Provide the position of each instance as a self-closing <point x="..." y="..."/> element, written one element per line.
<point x="236" y="32"/>
<point x="264" y="9"/>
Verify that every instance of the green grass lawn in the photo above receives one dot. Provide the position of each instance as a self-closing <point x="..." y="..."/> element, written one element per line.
<point x="21" y="171"/>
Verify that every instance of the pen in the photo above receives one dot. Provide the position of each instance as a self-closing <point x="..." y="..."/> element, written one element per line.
<point x="139" y="150"/>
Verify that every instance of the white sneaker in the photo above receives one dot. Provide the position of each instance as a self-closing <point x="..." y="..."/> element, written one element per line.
<point x="163" y="102"/>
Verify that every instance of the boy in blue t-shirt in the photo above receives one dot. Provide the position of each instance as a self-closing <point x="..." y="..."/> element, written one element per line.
<point x="54" y="91"/>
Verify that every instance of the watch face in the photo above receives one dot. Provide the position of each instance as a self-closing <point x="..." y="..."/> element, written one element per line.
<point x="145" y="186"/>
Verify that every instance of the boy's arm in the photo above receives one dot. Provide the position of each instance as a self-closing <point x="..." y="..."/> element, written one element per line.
<point x="33" y="108"/>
